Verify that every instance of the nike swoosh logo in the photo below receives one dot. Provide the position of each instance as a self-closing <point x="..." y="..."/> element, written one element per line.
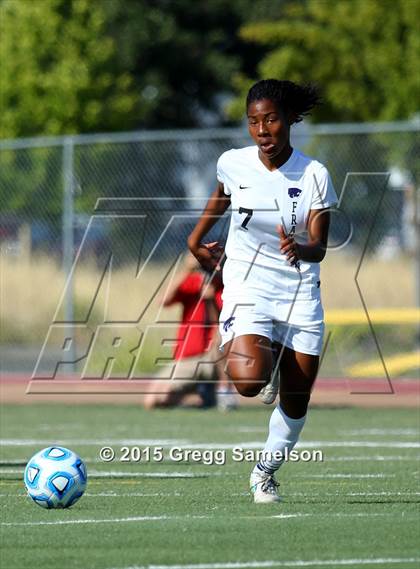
<point x="244" y="187"/>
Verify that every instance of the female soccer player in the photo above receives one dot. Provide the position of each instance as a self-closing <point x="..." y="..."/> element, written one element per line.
<point x="272" y="311"/>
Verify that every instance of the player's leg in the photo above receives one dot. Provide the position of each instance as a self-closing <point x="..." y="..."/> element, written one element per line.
<point x="248" y="362"/>
<point x="246" y="329"/>
<point x="165" y="393"/>
<point x="207" y="381"/>
<point x="298" y="372"/>
<point x="156" y="392"/>
<point x="171" y="384"/>
<point x="227" y="398"/>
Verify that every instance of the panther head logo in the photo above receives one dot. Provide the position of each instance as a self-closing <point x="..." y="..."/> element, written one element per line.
<point x="294" y="192"/>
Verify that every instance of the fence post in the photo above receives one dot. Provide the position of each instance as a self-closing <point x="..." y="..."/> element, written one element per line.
<point x="416" y="221"/>
<point x="68" y="243"/>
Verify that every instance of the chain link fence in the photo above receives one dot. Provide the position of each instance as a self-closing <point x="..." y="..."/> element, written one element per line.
<point x="139" y="194"/>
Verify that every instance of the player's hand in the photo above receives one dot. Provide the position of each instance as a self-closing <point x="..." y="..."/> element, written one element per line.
<point x="209" y="255"/>
<point x="288" y="246"/>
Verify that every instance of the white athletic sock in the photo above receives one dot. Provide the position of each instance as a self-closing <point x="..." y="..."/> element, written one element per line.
<point x="283" y="434"/>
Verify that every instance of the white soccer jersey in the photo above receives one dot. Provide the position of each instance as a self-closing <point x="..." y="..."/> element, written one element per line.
<point x="262" y="199"/>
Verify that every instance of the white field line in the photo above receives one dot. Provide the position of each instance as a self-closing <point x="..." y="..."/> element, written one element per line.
<point x="322" y="495"/>
<point x="350" y="494"/>
<point x="274" y="564"/>
<point x="334" y="515"/>
<point x="245" y="429"/>
<point x="374" y="458"/>
<point x="125" y="474"/>
<point x="345" y="475"/>
<point x="89" y="521"/>
<point x="105" y="521"/>
<point x="264" y="430"/>
<point x="210" y="446"/>
<point x="347" y="458"/>
<point x="179" y="494"/>
<point x="111" y="495"/>
<point x="133" y="494"/>
<point x="46" y="427"/>
<point x="381" y="432"/>
<point x="12" y="470"/>
<point x="88" y="442"/>
<point x="189" y="517"/>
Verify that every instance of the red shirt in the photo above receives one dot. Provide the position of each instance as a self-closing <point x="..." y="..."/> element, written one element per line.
<point x="195" y="331"/>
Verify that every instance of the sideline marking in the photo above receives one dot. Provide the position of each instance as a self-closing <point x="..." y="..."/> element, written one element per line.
<point x="189" y="517"/>
<point x="264" y="564"/>
<point x="87" y="442"/>
<point x="125" y="474"/>
<point x="104" y="521"/>
<point x="112" y="494"/>
<point x="346" y="458"/>
<point x="88" y="521"/>
<point x="383" y="432"/>
<point x="345" y="475"/>
<point x="376" y="458"/>
<point x="247" y="445"/>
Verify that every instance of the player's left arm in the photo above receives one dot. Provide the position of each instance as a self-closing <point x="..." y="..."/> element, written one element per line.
<point x="314" y="250"/>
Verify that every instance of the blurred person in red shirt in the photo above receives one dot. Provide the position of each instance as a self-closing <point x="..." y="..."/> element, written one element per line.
<point x="196" y="354"/>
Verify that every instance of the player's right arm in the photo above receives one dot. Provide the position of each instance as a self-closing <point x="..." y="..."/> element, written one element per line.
<point x="209" y="254"/>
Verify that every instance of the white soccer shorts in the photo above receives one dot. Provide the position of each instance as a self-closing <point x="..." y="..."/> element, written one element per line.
<point x="255" y="303"/>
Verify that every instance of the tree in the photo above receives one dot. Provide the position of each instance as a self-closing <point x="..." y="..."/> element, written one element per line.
<point x="365" y="55"/>
<point x="185" y="55"/>
<point x="71" y="66"/>
<point x="59" y="70"/>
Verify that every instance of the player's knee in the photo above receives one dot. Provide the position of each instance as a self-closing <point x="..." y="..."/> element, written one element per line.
<point x="248" y="382"/>
<point x="249" y="388"/>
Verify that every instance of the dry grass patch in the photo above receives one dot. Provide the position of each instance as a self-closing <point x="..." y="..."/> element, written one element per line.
<point x="31" y="292"/>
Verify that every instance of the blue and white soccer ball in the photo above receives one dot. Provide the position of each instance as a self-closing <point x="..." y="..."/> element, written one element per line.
<point x="55" y="477"/>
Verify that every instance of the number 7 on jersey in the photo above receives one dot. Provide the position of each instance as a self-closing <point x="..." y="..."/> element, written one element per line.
<point x="249" y="213"/>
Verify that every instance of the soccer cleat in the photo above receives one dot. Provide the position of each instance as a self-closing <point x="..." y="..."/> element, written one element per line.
<point x="264" y="488"/>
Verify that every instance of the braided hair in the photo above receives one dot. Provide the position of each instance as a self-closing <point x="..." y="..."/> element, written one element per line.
<point x="288" y="96"/>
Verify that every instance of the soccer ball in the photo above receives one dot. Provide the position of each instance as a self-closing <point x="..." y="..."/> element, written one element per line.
<point x="55" y="477"/>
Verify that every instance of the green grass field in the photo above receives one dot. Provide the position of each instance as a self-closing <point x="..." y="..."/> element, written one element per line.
<point x="357" y="508"/>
